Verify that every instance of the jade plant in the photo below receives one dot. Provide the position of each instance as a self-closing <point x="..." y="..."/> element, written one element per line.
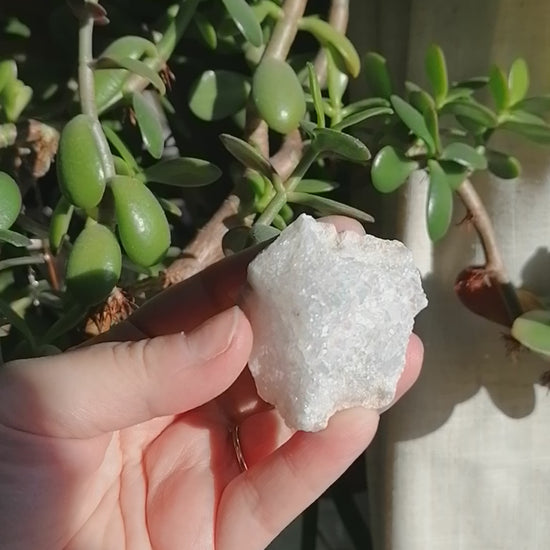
<point x="114" y="185"/>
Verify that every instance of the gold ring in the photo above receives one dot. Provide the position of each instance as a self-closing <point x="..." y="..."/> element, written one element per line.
<point x="238" y="450"/>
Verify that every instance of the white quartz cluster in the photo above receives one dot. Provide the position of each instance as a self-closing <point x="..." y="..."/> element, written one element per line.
<point x="331" y="315"/>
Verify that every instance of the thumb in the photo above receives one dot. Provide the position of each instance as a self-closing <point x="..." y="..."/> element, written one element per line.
<point x="110" y="386"/>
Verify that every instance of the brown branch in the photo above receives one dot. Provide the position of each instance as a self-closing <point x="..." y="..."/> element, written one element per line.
<point x="206" y="248"/>
<point x="338" y="17"/>
<point x="494" y="266"/>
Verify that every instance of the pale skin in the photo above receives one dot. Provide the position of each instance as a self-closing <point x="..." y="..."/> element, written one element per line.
<point x="127" y="444"/>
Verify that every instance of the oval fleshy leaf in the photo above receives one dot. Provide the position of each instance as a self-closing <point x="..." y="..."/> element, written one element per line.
<point x="13" y="238"/>
<point x="464" y="154"/>
<point x="390" y="169"/>
<point x="499" y="88"/>
<point x="260" y="233"/>
<point x="170" y="207"/>
<point x="436" y="69"/>
<point x="364" y="104"/>
<point x="327" y="35"/>
<point x="537" y="105"/>
<point x="527" y="125"/>
<point x="247" y="155"/>
<point x="454" y="172"/>
<point x="518" y="80"/>
<point x="377" y="75"/>
<point x="206" y="30"/>
<point x="325" y="206"/>
<point x="183" y="172"/>
<point x="218" y="94"/>
<point x="439" y="207"/>
<point x="330" y="141"/>
<point x="245" y="20"/>
<point x="134" y="66"/>
<point x="361" y="116"/>
<point x="235" y="240"/>
<point x="473" y="111"/>
<point x="532" y="329"/>
<point x="149" y="125"/>
<point x="414" y="120"/>
<point x="502" y="165"/>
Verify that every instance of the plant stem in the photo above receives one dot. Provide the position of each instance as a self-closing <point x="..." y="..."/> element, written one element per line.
<point x="494" y="262"/>
<point x="86" y="89"/>
<point x="285" y="30"/>
<point x="206" y="249"/>
<point x="85" y="60"/>
<point x="279" y="200"/>
<point x="338" y="17"/>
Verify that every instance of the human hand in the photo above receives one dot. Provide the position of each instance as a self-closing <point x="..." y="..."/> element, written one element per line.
<point x="131" y="445"/>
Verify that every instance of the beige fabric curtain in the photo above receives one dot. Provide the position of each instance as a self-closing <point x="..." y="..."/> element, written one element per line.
<point x="463" y="462"/>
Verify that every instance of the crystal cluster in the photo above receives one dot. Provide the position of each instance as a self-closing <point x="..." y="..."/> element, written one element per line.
<point x="331" y="315"/>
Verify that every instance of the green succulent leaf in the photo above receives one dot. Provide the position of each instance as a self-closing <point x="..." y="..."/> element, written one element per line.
<point x="454" y="172"/>
<point x="134" y="66"/>
<point x="149" y="125"/>
<point x="528" y="126"/>
<point x="245" y="20"/>
<point x="68" y="321"/>
<point x="326" y="34"/>
<point x="10" y="204"/>
<point x="59" y="223"/>
<point x="170" y="206"/>
<point x="473" y="111"/>
<point x="316" y="95"/>
<point x="474" y="83"/>
<point x="464" y="154"/>
<point x="325" y="206"/>
<point x="343" y="145"/>
<point x="120" y="147"/>
<point x="16" y="321"/>
<point x="458" y="93"/>
<point x="337" y="78"/>
<point x="377" y="75"/>
<point x="518" y="80"/>
<point x="432" y="123"/>
<point x="420" y="99"/>
<point x="260" y="233"/>
<point x="502" y="165"/>
<point x="414" y="120"/>
<point x="183" y="172"/>
<point x="390" y="169"/>
<point x="361" y="116"/>
<point x="439" y="208"/>
<point x="537" y="105"/>
<point x="235" y="240"/>
<point x="498" y="85"/>
<point x="218" y="94"/>
<point x="436" y="69"/>
<point x="247" y="155"/>
<point x="13" y="238"/>
<point x="206" y="30"/>
<point x="14" y="97"/>
<point x="316" y="186"/>
<point x="364" y="104"/>
<point x="532" y="329"/>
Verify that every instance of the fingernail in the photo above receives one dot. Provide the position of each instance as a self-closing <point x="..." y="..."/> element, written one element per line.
<point x="214" y="336"/>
